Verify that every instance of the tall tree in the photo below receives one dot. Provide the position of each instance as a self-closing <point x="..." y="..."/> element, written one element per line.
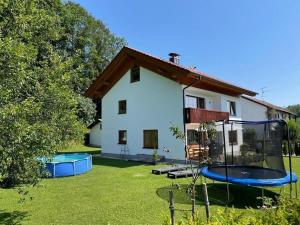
<point x="43" y="71"/>
<point x="90" y="43"/>
<point x="295" y="109"/>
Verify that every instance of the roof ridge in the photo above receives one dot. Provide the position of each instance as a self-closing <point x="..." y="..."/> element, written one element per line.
<point x="198" y="72"/>
<point x="126" y="56"/>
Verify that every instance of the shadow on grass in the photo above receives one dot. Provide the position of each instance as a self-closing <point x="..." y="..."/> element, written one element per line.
<point x="115" y="163"/>
<point x="240" y="197"/>
<point x="12" y="218"/>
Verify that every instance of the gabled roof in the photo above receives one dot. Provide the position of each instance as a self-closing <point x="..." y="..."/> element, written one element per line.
<point x="129" y="57"/>
<point x="268" y="105"/>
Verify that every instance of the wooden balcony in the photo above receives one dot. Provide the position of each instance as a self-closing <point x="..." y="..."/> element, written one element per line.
<point x="203" y="115"/>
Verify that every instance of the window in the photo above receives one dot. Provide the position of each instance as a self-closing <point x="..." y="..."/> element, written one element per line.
<point x="122" y="137"/>
<point x="231" y="108"/>
<point x="195" y="102"/>
<point x="195" y="137"/>
<point x="122" y="107"/>
<point x="233" y="139"/>
<point x="135" y="74"/>
<point x="151" y="139"/>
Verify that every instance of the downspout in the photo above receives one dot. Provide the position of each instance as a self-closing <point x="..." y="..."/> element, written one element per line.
<point x="183" y="110"/>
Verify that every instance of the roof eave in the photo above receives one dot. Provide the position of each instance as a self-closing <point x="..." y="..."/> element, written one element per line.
<point x="127" y="57"/>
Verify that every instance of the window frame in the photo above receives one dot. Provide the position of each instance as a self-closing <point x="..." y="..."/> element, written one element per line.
<point x="236" y="141"/>
<point x="120" y="137"/>
<point x="194" y="138"/>
<point x="234" y="108"/>
<point x="120" y="111"/>
<point x="135" y="74"/>
<point x="198" y="101"/>
<point x="155" y="146"/>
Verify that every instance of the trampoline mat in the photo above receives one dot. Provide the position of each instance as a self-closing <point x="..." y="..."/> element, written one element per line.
<point x="247" y="172"/>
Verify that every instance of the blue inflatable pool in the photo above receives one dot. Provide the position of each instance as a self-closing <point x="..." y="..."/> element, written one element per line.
<point x="69" y="164"/>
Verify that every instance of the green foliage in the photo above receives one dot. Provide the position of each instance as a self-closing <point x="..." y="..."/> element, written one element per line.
<point x="295" y="109"/>
<point x="294" y="128"/>
<point x="249" y="136"/>
<point x="245" y="148"/>
<point x="89" y="42"/>
<point x="177" y="133"/>
<point x="211" y="132"/>
<point x="287" y="212"/>
<point x="271" y="114"/>
<point x="284" y="147"/>
<point x="86" y="110"/>
<point x="209" y="127"/>
<point x="49" y="53"/>
<point x="98" y="189"/>
<point x="91" y="46"/>
<point x="37" y="109"/>
<point x="155" y="156"/>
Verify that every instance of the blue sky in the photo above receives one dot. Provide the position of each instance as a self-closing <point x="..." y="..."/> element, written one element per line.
<point x="253" y="44"/>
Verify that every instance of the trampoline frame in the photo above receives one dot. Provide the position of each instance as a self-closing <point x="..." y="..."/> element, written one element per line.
<point x="289" y="179"/>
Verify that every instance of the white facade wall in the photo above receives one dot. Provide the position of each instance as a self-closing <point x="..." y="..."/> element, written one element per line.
<point x="212" y="99"/>
<point x="95" y="135"/>
<point x="218" y="102"/>
<point x="154" y="102"/>
<point x="253" y="111"/>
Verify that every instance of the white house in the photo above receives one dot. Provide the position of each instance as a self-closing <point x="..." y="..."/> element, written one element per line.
<point x="142" y="96"/>
<point x="95" y="133"/>
<point x="255" y="109"/>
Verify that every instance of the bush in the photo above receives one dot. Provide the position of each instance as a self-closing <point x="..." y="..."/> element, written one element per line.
<point x="249" y="137"/>
<point x="297" y="148"/>
<point x="287" y="212"/>
<point x="285" y="148"/>
<point x="244" y="149"/>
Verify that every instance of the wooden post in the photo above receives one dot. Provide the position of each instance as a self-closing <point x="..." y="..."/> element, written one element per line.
<point x="193" y="209"/>
<point x="228" y="194"/>
<point x="206" y="201"/>
<point x="172" y="209"/>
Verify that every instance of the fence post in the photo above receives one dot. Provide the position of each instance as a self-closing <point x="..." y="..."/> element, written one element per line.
<point x="193" y="208"/>
<point x="206" y="201"/>
<point x="172" y="210"/>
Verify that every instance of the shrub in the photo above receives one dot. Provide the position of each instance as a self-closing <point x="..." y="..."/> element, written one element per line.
<point x="287" y="212"/>
<point x="297" y="148"/>
<point x="285" y="147"/>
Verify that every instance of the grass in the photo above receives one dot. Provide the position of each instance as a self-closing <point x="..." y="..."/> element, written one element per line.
<point x="75" y="148"/>
<point x="114" y="192"/>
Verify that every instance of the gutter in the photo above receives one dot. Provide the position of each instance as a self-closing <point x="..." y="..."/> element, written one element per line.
<point x="183" y="110"/>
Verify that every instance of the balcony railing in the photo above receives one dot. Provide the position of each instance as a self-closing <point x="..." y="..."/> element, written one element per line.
<point x="203" y="115"/>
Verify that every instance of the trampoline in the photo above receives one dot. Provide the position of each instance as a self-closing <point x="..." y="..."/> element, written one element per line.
<point x="249" y="153"/>
<point x="249" y="175"/>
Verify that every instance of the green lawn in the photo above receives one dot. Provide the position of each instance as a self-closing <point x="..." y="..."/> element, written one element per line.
<point x="114" y="192"/>
<point x="80" y="148"/>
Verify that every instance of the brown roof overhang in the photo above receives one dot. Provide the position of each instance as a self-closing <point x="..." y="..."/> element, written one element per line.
<point x="129" y="57"/>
